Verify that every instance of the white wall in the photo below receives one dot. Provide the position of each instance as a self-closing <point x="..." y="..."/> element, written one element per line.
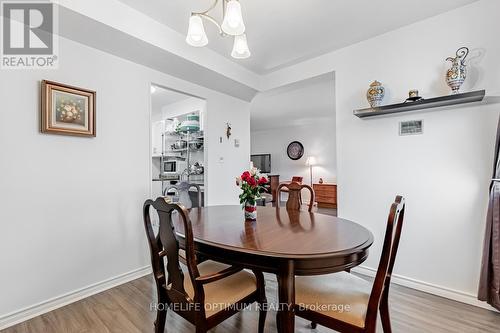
<point x="70" y="208"/>
<point x="444" y="173"/>
<point x="318" y="139"/>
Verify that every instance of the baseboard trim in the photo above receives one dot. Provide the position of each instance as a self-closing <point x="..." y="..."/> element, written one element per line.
<point x="433" y="289"/>
<point x="29" y="312"/>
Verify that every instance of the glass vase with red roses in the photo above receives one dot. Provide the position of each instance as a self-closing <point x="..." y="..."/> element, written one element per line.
<point x="252" y="185"/>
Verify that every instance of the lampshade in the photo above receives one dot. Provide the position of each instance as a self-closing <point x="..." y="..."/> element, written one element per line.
<point x="196" y="35"/>
<point x="311" y="160"/>
<point x="240" y="47"/>
<point x="233" y="20"/>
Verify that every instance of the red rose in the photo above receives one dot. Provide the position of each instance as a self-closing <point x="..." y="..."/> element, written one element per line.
<point x="251" y="181"/>
<point x="262" y="180"/>
<point x="245" y="176"/>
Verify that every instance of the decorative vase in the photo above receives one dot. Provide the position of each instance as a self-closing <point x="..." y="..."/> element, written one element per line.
<point x="456" y="75"/>
<point x="250" y="211"/>
<point x="375" y="94"/>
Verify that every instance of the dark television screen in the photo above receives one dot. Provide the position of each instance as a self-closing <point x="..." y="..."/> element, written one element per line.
<point x="262" y="162"/>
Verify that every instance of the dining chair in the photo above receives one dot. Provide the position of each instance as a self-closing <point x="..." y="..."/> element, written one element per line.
<point x="205" y="294"/>
<point x="295" y="179"/>
<point x="182" y="189"/>
<point x="294" y="190"/>
<point x="324" y="299"/>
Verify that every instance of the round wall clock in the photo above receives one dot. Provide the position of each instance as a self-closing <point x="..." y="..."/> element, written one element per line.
<point x="295" y="150"/>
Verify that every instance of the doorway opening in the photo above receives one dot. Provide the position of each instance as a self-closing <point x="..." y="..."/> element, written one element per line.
<point x="178" y="152"/>
<point x="293" y="128"/>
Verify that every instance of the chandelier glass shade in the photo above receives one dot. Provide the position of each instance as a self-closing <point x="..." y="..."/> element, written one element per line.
<point x="232" y="25"/>
<point x="196" y="32"/>
<point x="233" y="19"/>
<point x="240" y="47"/>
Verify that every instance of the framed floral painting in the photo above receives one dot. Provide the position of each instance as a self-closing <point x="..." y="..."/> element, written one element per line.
<point x="67" y="110"/>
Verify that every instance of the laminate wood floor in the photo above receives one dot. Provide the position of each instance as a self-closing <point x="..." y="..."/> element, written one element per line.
<point x="126" y="308"/>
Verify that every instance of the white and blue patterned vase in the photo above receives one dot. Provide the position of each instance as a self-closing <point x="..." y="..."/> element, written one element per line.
<point x="375" y="94"/>
<point x="456" y="75"/>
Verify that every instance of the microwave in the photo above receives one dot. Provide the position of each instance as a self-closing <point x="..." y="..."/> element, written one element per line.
<point x="174" y="167"/>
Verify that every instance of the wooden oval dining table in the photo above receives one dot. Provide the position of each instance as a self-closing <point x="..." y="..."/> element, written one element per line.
<point x="285" y="243"/>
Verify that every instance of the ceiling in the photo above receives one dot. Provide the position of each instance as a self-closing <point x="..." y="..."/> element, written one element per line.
<point x="301" y="103"/>
<point x="283" y="32"/>
<point x="162" y="97"/>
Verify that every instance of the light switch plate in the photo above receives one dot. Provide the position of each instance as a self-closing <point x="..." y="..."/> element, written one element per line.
<point x="237" y="143"/>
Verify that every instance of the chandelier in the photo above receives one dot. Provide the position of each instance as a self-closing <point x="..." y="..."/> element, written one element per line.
<point x="232" y="25"/>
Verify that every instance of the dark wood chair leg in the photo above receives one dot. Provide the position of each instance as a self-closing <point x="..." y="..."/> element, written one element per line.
<point x="261" y="286"/>
<point x="161" y="317"/>
<point x="161" y="312"/>
<point x="313" y="325"/>
<point x="384" y="311"/>
<point x="200" y="324"/>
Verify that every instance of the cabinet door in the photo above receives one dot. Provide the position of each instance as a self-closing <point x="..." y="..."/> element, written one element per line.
<point x="325" y="193"/>
<point x="157" y="129"/>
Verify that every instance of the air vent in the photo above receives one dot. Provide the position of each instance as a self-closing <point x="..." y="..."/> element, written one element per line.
<point x="411" y="127"/>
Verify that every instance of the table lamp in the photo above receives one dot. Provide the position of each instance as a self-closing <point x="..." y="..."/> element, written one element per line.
<point x="311" y="161"/>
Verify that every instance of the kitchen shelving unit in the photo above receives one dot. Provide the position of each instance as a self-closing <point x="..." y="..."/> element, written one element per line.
<point x="189" y="138"/>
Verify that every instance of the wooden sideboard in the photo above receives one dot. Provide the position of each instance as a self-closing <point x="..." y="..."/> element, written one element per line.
<point x="326" y="195"/>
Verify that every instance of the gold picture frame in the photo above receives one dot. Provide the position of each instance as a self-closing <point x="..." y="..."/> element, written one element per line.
<point x="67" y="110"/>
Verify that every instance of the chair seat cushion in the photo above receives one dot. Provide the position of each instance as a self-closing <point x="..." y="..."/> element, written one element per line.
<point x="342" y="296"/>
<point x="222" y="293"/>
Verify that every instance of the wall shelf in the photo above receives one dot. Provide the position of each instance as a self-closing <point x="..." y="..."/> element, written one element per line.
<point x="469" y="97"/>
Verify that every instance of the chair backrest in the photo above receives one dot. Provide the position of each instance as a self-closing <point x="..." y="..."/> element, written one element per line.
<point x="166" y="244"/>
<point x="294" y="197"/>
<point x="182" y="189"/>
<point x="297" y="179"/>
<point x="388" y="257"/>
